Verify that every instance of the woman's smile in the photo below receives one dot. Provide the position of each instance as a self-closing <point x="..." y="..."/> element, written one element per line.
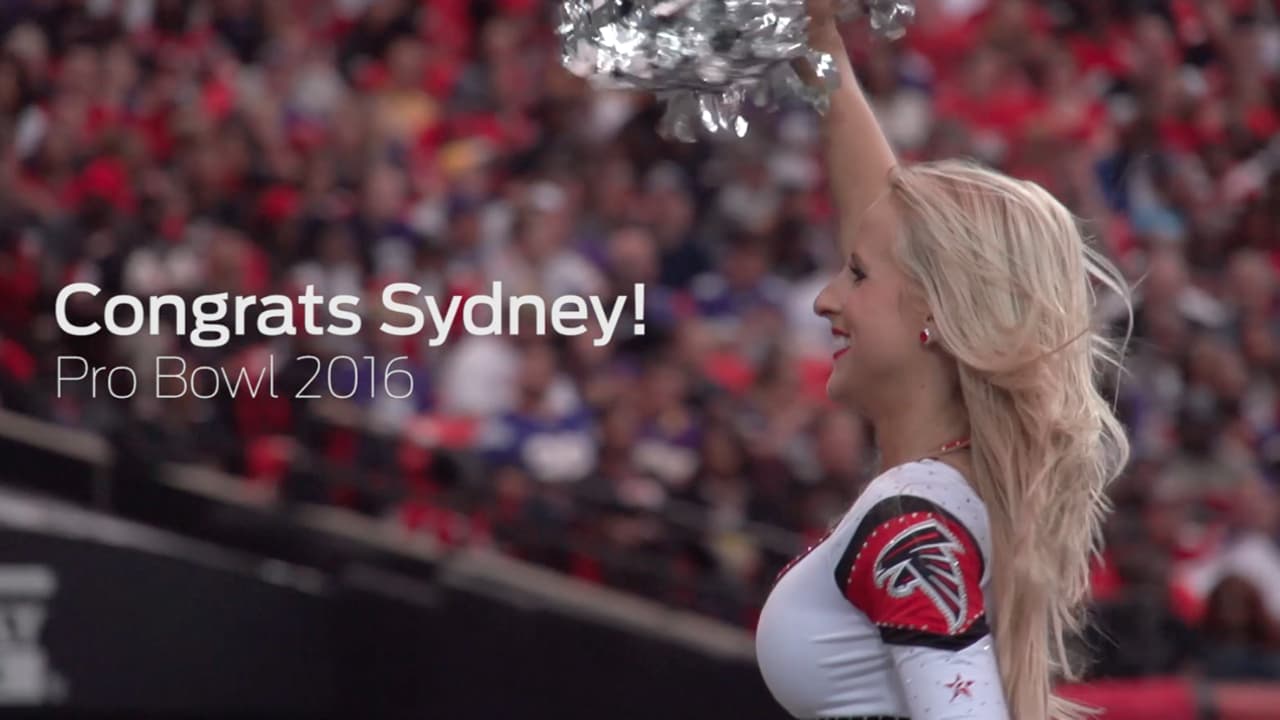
<point x="842" y="343"/>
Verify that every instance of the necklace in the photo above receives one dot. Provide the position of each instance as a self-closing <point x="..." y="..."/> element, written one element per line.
<point x="957" y="444"/>
<point x="946" y="448"/>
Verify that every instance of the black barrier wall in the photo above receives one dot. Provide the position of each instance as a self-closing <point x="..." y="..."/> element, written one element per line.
<point x="124" y="630"/>
<point x="95" y="627"/>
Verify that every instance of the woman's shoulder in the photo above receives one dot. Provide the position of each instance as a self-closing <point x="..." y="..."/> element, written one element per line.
<point x="917" y="518"/>
<point x="923" y="490"/>
<point x="928" y="479"/>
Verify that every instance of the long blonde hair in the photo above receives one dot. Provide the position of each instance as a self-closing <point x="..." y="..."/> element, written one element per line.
<point x="1010" y="281"/>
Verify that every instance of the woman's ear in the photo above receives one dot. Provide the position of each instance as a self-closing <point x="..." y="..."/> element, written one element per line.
<point x="917" y="306"/>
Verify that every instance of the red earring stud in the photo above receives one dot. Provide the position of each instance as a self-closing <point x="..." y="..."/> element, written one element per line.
<point x="924" y="336"/>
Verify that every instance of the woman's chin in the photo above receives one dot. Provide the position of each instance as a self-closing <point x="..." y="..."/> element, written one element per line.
<point x="838" y="390"/>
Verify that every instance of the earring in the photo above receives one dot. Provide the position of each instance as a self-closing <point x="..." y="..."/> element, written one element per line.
<point x="924" y="336"/>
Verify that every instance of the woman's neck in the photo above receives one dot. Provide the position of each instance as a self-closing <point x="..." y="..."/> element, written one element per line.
<point x="917" y="428"/>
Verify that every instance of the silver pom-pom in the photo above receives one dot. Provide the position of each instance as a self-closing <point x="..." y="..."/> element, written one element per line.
<point x="888" y="17"/>
<point x="709" y="59"/>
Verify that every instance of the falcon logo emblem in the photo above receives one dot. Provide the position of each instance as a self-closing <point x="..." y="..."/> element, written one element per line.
<point x="922" y="558"/>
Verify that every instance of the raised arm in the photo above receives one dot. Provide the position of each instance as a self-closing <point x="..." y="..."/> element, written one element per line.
<point x="859" y="156"/>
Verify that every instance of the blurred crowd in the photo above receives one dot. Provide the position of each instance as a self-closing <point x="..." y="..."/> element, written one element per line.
<point x="253" y="147"/>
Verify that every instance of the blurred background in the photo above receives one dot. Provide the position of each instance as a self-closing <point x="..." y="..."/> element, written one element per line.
<point x="544" y="526"/>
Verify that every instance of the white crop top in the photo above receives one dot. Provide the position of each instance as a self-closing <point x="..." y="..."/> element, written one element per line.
<point x="887" y="615"/>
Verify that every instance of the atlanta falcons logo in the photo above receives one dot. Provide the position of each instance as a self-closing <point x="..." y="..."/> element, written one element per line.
<point x="923" y="558"/>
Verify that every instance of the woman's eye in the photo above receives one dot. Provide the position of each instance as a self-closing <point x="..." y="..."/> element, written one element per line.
<point x="858" y="275"/>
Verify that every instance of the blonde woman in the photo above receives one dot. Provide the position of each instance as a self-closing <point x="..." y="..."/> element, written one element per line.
<point x="963" y="324"/>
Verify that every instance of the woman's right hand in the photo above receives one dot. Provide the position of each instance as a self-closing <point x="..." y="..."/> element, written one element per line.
<point x="822" y="21"/>
<point x="822" y="12"/>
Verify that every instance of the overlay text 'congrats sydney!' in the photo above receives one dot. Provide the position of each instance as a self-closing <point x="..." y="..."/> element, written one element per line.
<point x="212" y="320"/>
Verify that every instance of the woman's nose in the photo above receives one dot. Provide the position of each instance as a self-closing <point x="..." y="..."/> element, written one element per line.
<point x="824" y="304"/>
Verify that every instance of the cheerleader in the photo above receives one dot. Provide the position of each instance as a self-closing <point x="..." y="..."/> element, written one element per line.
<point x="963" y="332"/>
